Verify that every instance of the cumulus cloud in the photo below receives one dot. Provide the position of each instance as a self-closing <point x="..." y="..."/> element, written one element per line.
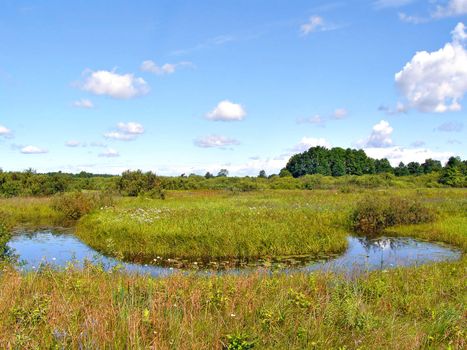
<point x="33" y="150"/>
<point x="73" y="143"/>
<point x="110" y="83"/>
<point x="125" y="131"/>
<point x="5" y="132"/>
<point x="380" y="136"/>
<point x="109" y="153"/>
<point x="307" y="142"/>
<point x="436" y="81"/>
<point x="167" y="68"/>
<point x="451" y="127"/>
<point x="227" y="111"/>
<point x="215" y="141"/>
<point x="83" y="103"/>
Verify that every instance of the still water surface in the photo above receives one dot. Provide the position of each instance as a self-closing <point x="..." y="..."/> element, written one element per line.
<point x="363" y="254"/>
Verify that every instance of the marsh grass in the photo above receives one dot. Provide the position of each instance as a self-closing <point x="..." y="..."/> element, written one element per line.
<point x="29" y="211"/>
<point x="245" y="226"/>
<point x="406" y="308"/>
<point x="91" y="308"/>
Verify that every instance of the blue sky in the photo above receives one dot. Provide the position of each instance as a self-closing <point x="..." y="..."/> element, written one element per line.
<point x="195" y="86"/>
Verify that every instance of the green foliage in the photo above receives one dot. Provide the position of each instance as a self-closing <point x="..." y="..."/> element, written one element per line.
<point x="374" y="214"/>
<point x="136" y="183"/>
<point x="4" y="238"/>
<point x="74" y="205"/>
<point x="454" y="173"/>
<point x="239" y="341"/>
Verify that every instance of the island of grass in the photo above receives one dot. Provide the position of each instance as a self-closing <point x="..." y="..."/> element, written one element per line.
<point x="220" y="226"/>
<point x="211" y="226"/>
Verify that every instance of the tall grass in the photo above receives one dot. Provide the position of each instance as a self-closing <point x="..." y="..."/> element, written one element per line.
<point x="414" y="308"/>
<point x="223" y="227"/>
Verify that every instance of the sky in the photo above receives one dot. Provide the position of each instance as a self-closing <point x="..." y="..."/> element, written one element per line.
<point x="193" y="86"/>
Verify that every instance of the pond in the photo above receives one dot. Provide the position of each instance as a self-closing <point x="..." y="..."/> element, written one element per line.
<point x="363" y="254"/>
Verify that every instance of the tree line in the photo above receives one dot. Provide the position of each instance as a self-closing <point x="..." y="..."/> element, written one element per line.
<point x="313" y="169"/>
<point x="339" y="162"/>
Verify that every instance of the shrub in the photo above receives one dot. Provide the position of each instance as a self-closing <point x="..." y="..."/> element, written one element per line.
<point x="374" y="214"/>
<point x="4" y="238"/>
<point x="74" y="205"/>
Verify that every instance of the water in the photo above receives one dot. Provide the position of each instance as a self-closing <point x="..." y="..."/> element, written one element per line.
<point x="60" y="249"/>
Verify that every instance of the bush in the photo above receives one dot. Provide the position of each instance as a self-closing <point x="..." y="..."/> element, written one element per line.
<point x="4" y="238"/>
<point x="74" y="205"/>
<point x="374" y="214"/>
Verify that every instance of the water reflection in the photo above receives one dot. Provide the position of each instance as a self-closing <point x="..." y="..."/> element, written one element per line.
<point x="363" y="254"/>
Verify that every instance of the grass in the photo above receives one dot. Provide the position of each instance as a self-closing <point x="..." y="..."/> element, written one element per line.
<point x="218" y="226"/>
<point x="406" y="308"/>
<point x="403" y="308"/>
<point x="29" y="211"/>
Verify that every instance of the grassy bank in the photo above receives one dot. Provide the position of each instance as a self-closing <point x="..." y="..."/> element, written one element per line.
<point x="414" y="308"/>
<point x="29" y="212"/>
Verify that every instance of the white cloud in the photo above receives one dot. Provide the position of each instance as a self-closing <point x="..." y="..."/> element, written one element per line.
<point x="436" y="81"/>
<point x="397" y="154"/>
<point x="412" y="19"/>
<point x="307" y="142"/>
<point x="119" y="86"/>
<point x="125" y="131"/>
<point x="227" y="111"/>
<point x="73" y="143"/>
<point x="121" y="136"/>
<point x="109" y="153"/>
<point x="83" y="103"/>
<point x="168" y="68"/>
<point x="5" y="132"/>
<point x="340" y="113"/>
<point x="131" y="128"/>
<point x="380" y="136"/>
<point x="453" y="8"/>
<point x="215" y="141"/>
<point x="33" y="150"/>
<point x="314" y="23"/>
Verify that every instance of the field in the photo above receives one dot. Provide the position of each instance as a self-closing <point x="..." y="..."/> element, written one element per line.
<point x="406" y="308"/>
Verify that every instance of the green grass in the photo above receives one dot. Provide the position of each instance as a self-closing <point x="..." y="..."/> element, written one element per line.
<point x="417" y="308"/>
<point x="217" y="227"/>
<point x="406" y="308"/>
<point x="28" y="211"/>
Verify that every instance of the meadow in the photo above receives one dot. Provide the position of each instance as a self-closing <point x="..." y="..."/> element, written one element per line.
<point x="407" y="308"/>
